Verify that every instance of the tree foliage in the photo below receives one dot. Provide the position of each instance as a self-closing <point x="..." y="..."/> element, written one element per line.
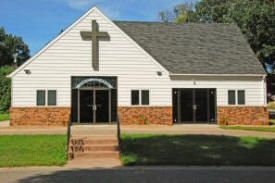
<point x="256" y="19"/>
<point x="10" y="44"/>
<point x="5" y="89"/>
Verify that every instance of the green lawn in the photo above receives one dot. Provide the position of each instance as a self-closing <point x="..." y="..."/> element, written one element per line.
<point x="196" y="150"/>
<point x="262" y="129"/>
<point x="4" y="116"/>
<point x="272" y="121"/>
<point x="32" y="150"/>
<point x="271" y="105"/>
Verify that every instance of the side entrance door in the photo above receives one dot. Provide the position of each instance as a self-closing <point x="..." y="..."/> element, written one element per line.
<point x="194" y="105"/>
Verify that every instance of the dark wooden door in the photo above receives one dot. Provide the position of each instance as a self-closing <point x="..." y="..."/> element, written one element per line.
<point x="186" y="105"/>
<point x="200" y="105"/>
<point x="194" y="105"/>
<point x="102" y="105"/>
<point x="86" y="106"/>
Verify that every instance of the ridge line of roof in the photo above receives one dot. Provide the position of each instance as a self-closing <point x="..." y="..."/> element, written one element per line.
<point x="188" y="23"/>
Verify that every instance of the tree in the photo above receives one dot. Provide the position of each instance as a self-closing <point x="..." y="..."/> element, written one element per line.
<point x="181" y="13"/>
<point x="10" y="44"/>
<point x="256" y="19"/>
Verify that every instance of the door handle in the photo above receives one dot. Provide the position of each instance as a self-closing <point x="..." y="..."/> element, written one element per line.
<point x="194" y="107"/>
<point x="94" y="107"/>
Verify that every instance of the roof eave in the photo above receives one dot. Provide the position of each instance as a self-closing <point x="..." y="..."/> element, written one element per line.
<point x="255" y="75"/>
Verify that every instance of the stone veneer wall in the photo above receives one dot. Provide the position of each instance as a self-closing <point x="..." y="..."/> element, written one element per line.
<point x="243" y="115"/>
<point x="235" y="115"/>
<point x="146" y="115"/>
<point x="58" y="116"/>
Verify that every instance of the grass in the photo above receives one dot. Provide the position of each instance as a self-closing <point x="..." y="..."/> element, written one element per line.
<point x="4" y="116"/>
<point x="272" y="121"/>
<point x="32" y="150"/>
<point x="261" y="129"/>
<point x="271" y="105"/>
<point x="196" y="150"/>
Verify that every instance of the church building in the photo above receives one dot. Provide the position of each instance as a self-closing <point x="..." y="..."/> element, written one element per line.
<point x="99" y="70"/>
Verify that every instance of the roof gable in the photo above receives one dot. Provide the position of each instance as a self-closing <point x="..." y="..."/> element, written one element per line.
<point x="76" y="24"/>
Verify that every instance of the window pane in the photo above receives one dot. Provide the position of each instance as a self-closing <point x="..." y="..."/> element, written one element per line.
<point x="51" y="97"/>
<point x="231" y="97"/>
<point x="40" y="97"/>
<point x="135" y="97"/>
<point x="241" y="97"/>
<point x="145" y="97"/>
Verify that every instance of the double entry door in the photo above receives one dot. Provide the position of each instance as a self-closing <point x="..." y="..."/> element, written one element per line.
<point x="94" y="106"/>
<point x="194" y="105"/>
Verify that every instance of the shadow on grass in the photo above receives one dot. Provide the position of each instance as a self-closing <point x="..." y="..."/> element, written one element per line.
<point x="196" y="150"/>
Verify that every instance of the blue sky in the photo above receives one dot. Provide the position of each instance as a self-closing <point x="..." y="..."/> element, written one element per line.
<point x="39" y="21"/>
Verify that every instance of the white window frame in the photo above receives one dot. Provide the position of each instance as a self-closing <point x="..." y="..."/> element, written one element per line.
<point x="55" y="97"/>
<point x="46" y="97"/>
<point x="140" y="97"/>
<point x="236" y="97"/>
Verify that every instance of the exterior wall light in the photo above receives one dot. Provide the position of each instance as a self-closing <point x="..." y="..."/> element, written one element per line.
<point x="27" y="71"/>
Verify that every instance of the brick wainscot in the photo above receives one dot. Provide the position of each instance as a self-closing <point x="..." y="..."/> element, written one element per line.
<point x="146" y="115"/>
<point x="243" y="115"/>
<point x="58" y="116"/>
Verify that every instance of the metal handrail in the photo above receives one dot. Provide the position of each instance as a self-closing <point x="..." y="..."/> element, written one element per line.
<point x="69" y="133"/>
<point x="118" y="129"/>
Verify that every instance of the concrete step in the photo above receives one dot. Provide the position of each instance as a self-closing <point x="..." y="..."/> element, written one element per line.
<point x="93" y="137"/>
<point x="96" y="155"/>
<point x="79" y="142"/>
<point x="89" y="148"/>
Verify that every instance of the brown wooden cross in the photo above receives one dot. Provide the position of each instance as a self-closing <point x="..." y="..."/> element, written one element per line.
<point x="94" y="36"/>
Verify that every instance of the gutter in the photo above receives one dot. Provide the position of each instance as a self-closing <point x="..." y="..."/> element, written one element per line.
<point x="254" y="75"/>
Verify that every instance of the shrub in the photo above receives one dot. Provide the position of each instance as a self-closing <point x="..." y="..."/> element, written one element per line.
<point x="5" y="89"/>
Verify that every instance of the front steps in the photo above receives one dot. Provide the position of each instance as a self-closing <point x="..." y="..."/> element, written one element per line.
<point x="92" y="147"/>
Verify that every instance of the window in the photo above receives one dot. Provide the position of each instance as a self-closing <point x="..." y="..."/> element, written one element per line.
<point x="51" y="97"/>
<point x="241" y="97"/>
<point x="40" y="97"/>
<point x="231" y="97"/>
<point x="135" y="97"/>
<point x="140" y="97"/>
<point x="145" y="97"/>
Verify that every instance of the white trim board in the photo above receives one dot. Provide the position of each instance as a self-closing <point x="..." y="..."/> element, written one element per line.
<point x="256" y="75"/>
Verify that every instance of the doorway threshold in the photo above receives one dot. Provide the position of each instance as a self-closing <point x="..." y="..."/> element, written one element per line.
<point x="94" y="124"/>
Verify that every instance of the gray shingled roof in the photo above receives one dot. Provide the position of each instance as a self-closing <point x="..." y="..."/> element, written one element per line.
<point x="195" y="48"/>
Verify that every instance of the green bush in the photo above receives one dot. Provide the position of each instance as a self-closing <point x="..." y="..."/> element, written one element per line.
<point x="5" y="89"/>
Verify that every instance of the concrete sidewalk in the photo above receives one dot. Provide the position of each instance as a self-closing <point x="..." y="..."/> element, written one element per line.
<point x="153" y="174"/>
<point x="185" y="129"/>
<point x="32" y="130"/>
<point x="4" y="123"/>
<point x="192" y="129"/>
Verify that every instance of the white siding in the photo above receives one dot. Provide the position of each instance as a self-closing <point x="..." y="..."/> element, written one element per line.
<point x="71" y="56"/>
